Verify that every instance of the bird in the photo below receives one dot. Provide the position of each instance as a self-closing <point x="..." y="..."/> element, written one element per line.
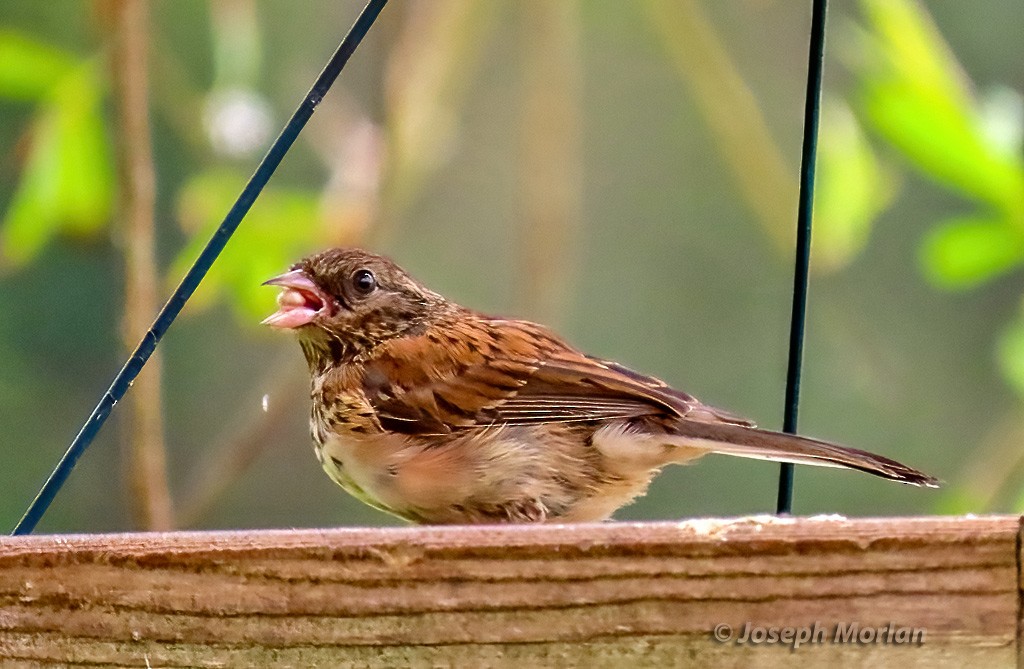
<point x="440" y="414"/>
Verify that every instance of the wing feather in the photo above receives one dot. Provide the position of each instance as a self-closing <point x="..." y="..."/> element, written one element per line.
<point x="516" y="373"/>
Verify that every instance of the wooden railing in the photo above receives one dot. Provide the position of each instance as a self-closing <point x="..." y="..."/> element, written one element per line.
<point x="900" y="592"/>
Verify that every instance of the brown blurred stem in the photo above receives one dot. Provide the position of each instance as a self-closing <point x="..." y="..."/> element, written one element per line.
<point x="551" y="172"/>
<point x="128" y="22"/>
<point x="765" y="179"/>
<point x="436" y="52"/>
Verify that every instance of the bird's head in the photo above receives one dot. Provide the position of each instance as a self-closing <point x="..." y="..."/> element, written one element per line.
<point x="343" y="302"/>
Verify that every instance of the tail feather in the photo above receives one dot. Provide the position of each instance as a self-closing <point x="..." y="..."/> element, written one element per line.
<point x="748" y="442"/>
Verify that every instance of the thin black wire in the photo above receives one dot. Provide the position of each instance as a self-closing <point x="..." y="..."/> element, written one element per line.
<point x="812" y="109"/>
<point x="199" y="268"/>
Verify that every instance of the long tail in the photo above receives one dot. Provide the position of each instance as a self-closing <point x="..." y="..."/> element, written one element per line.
<point x="749" y="442"/>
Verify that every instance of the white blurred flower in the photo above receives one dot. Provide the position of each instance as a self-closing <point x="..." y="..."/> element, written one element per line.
<point x="1002" y="113"/>
<point x="237" y="122"/>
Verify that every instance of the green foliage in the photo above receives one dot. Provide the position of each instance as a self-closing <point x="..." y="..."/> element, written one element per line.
<point x="67" y="183"/>
<point x="853" y="187"/>
<point x="28" y="68"/>
<point x="915" y="97"/>
<point x="67" y="180"/>
<point x="963" y="252"/>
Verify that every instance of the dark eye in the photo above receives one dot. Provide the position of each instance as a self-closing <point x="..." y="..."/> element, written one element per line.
<point x="364" y="281"/>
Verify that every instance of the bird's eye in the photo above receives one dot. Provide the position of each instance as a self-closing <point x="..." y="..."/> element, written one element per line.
<point x="364" y="281"/>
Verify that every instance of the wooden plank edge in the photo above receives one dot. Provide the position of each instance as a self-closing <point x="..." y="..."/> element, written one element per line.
<point x="754" y="530"/>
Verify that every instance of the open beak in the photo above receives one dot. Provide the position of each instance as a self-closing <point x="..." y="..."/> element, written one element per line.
<point x="300" y="301"/>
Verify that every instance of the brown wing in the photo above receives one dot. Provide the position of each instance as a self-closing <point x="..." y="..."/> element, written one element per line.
<point x="482" y="372"/>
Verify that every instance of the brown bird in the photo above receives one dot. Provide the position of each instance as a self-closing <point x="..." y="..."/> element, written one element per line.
<point x="439" y="414"/>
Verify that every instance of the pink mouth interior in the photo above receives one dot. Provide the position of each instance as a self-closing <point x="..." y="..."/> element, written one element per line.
<point x="295" y="307"/>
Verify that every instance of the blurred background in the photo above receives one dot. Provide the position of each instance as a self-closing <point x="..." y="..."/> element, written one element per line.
<point x="625" y="172"/>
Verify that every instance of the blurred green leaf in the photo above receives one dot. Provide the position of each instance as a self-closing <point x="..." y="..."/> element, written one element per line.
<point x="67" y="183"/>
<point x="938" y="140"/>
<point x="916" y="97"/>
<point x="963" y="252"/>
<point x="279" y="229"/>
<point x="1010" y="352"/>
<point x="86" y="167"/>
<point x="852" y="188"/>
<point x="33" y="212"/>
<point x="29" y="68"/>
<point x="915" y="50"/>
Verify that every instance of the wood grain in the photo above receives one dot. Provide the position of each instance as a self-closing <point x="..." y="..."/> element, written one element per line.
<point x="614" y="594"/>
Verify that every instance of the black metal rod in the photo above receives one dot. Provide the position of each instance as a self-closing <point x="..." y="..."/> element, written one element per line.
<point x="199" y="268"/>
<point x="812" y="110"/>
